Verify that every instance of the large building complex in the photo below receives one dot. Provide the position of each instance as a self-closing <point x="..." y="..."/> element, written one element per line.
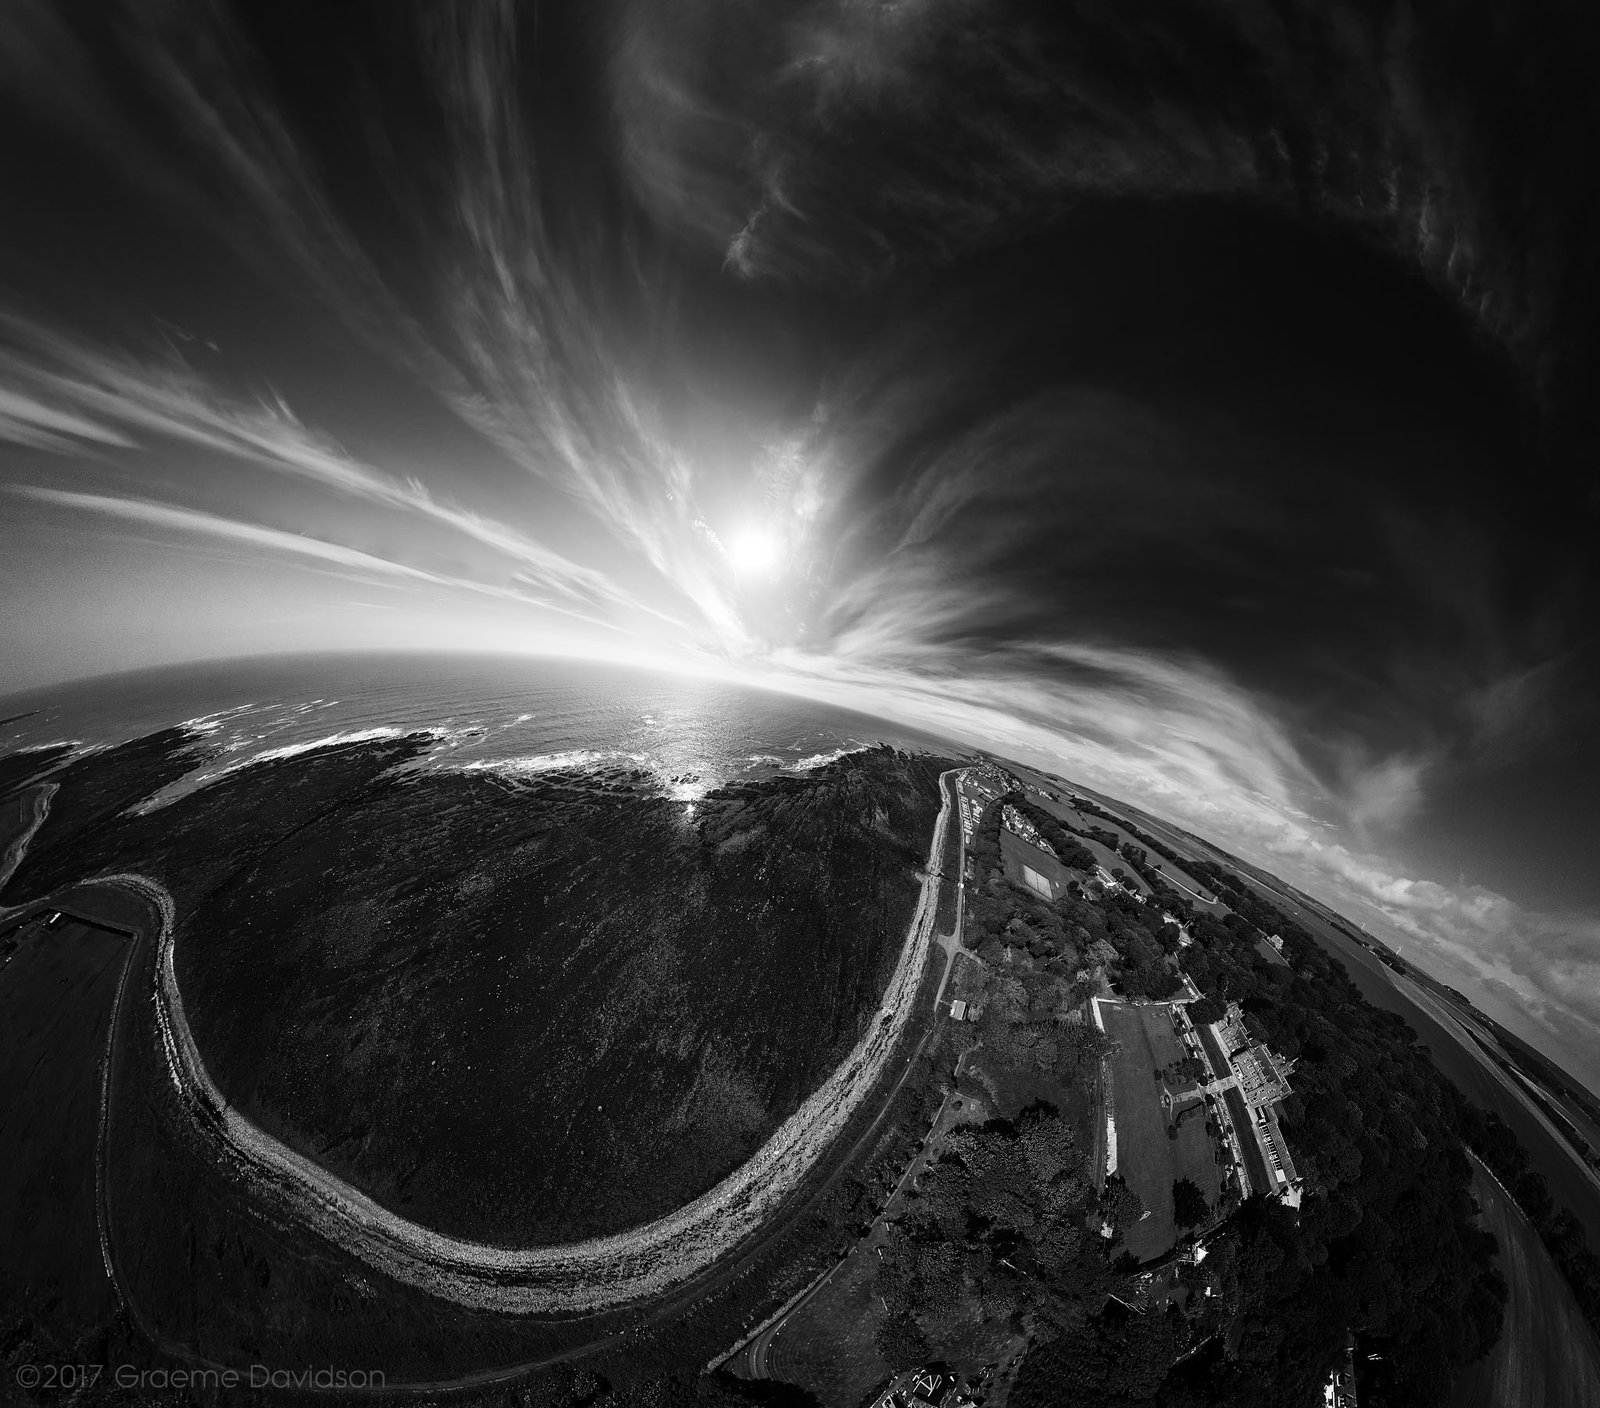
<point x="1252" y="1079"/>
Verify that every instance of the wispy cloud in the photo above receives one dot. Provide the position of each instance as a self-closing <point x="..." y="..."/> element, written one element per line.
<point x="80" y="393"/>
<point x="198" y="523"/>
<point x="25" y="421"/>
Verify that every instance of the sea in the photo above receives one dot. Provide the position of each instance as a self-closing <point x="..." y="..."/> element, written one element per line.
<point x="511" y="715"/>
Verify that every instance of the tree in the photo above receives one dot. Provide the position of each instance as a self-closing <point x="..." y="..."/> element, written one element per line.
<point x="1120" y="1205"/>
<point x="1206" y="1011"/>
<point x="1189" y="1207"/>
<point x="901" y="1343"/>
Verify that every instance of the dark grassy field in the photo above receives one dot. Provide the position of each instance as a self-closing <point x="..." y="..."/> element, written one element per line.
<point x="56" y="994"/>
<point x="1146" y="1158"/>
<point x="213" y="1275"/>
<point x="524" y="1012"/>
<point x="1194" y="1152"/>
<point x="827" y="1345"/>
<point x="553" y="1011"/>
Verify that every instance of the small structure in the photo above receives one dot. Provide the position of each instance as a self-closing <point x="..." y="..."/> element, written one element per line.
<point x="958" y="1010"/>
<point x="1019" y="825"/>
<point x="1340" y="1389"/>
<point x="933" y="1386"/>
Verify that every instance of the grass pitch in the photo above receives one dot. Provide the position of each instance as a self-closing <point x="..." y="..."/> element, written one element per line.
<point x="1147" y="1159"/>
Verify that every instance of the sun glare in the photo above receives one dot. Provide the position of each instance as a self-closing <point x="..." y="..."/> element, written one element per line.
<point x="755" y="552"/>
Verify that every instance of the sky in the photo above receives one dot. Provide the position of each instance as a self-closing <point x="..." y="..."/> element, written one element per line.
<point x="1198" y="402"/>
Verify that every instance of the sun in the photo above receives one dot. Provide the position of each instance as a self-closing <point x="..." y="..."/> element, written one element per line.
<point x="755" y="552"/>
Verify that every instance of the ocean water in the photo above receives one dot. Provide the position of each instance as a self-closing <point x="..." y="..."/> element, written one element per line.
<point x="510" y="715"/>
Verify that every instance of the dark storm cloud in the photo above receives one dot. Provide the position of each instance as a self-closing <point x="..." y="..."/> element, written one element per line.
<point x="1209" y="436"/>
<point x="842" y="140"/>
<point x="1194" y="395"/>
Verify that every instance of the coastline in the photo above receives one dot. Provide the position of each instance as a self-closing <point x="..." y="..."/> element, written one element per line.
<point x="37" y="800"/>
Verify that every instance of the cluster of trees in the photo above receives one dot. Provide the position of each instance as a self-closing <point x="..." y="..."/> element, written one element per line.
<point x="1127" y="936"/>
<point x="1000" y="914"/>
<point x="999" y="1222"/>
<point x="1071" y="851"/>
<point x="569" y="1386"/>
<point x="1484" y="1132"/>
<point x="1385" y="1240"/>
<point x="1492" y="1140"/>
<point x="1144" y="943"/>
<point x="1189" y="1207"/>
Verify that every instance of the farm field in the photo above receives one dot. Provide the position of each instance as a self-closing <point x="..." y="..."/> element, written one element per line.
<point x="1147" y="1160"/>
<point x="1187" y="885"/>
<point x="1547" y="1356"/>
<point x="1269" y="953"/>
<point x="1081" y="821"/>
<point x="1190" y="847"/>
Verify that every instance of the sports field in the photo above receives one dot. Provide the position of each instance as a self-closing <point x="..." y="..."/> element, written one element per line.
<point x="1147" y="1159"/>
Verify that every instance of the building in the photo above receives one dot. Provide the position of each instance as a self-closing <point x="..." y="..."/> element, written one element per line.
<point x="933" y="1386"/>
<point x="1340" y="1390"/>
<point x="1019" y="825"/>
<point x="1285" y="1181"/>
<point x="958" y="1010"/>
<point x="1262" y="1078"/>
<point x="979" y="787"/>
<point x="1263" y="1074"/>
